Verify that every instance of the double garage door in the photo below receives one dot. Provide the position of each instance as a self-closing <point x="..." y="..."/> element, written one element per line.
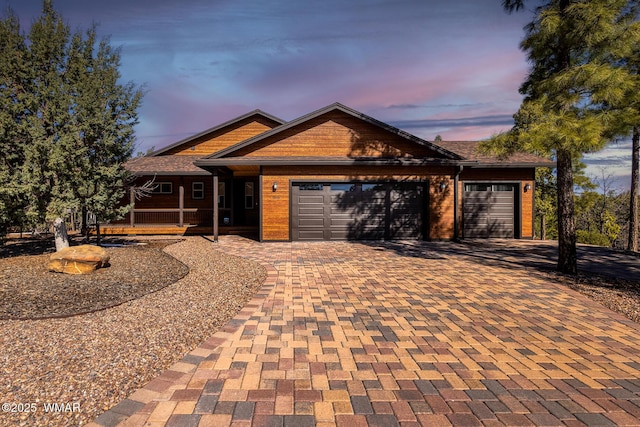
<point x="356" y="211"/>
<point x="489" y="210"/>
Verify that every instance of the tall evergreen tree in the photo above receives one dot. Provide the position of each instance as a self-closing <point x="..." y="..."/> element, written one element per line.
<point x="13" y="69"/>
<point x="628" y="52"/>
<point x="72" y="128"/>
<point x="568" y="92"/>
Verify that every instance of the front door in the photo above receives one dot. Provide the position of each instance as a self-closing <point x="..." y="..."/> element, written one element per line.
<point x="246" y="201"/>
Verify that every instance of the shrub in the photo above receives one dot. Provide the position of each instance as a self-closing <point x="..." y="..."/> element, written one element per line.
<point x="592" y="238"/>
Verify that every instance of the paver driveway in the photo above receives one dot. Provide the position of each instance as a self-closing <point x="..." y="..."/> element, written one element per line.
<point x="353" y="335"/>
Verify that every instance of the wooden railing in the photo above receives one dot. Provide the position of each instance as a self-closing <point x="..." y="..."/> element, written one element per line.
<point x="194" y="216"/>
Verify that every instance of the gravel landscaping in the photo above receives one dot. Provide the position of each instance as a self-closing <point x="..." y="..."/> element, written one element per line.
<point x="97" y="359"/>
<point x="29" y="291"/>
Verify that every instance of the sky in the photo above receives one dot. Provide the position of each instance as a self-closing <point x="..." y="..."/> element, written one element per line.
<point x="429" y="67"/>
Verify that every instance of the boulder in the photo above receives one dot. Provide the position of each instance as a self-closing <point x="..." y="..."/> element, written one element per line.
<point x="81" y="259"/>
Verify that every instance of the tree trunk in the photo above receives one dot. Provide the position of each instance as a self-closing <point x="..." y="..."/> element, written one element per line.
<point x="567" y="253"/>
<point x="543" y="227"/>
<point x="632" y="244"/>
<point x="85" y="228"/>
<point x="60" y="234"/>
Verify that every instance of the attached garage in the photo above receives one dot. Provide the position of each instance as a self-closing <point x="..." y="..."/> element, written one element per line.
<point x="489" y="210"/>
<point x="338" y="174"/>
<point x="356" y="211"/>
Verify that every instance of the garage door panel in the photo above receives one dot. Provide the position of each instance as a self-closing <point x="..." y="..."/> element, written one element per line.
<point x="311" y="235"/>
<point x="311" y="222"/>
<point x="503" y="210"/>
<point x="310" y="210"/>
<point x="314" y="199"/>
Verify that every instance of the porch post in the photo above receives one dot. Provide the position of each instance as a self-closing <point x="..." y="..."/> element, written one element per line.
<point x="215" y="206"/>
<point x="132" y="211"/>
<point x="181" y="206"/>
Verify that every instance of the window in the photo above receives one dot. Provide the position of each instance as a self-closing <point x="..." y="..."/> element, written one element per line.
<point x="373" y="187"/>
<point x="488" y="187"/>
<point x="222" y="197"/>
<point x="502" y="187"/>
<point x="343" y="187"/>
<point x="310" y="187"/>
<point x="248" y="195"/>
<point x="477" y="187"/>
<point x="163" y="188"/>
<point x="197" y="190"/>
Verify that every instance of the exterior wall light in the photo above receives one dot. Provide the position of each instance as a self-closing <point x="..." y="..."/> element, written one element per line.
<point x="274" y="186"/>
<point x="443" y="185"/>
<point x="527" y="187"/>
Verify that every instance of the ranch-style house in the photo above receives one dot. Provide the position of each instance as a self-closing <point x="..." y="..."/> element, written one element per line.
<point x="333" y="174"/>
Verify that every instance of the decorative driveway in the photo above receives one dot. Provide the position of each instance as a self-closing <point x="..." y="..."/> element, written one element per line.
<point x="416" y="334"/>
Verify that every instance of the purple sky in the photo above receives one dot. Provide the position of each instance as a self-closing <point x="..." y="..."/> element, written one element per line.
<point x="430" y="67"/>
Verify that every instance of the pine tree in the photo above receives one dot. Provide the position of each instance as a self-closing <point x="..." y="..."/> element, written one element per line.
<point x="72" y="123"/>
<point x="13" y="68"/>
<point x="568" y="93"/>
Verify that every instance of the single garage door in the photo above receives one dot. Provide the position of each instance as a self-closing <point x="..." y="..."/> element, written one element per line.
<point x="356" y="211"/>
<point x="488" y="210"/>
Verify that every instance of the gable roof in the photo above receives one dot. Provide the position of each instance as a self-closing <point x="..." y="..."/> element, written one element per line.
<point x="221" y="126"/>
<point x="228" y="152"/>
<point x="451" y="152"/>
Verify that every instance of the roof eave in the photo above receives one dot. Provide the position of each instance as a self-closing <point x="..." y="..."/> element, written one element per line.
<point x="171" y="173"/>
<point x="515" y="165"/>
<point x="245" y="161"/>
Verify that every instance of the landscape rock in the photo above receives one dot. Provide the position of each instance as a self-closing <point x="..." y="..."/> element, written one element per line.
<point x="81" y="259"/>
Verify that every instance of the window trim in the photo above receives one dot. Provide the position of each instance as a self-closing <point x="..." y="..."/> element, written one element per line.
<point x="200" y="190"/>
<point x="222" y="195"/>
<point x="249" y="197"/>
<point x="158" y="189"/>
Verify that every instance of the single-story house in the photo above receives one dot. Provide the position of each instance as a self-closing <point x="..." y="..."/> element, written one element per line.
<point x="333" y="174"/>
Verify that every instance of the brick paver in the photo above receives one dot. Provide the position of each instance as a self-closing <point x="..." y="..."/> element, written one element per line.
<point x="353" y="334"/>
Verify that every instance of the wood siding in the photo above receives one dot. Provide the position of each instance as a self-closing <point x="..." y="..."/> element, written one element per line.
<point x="441" y="215"/>
<point x="223" y="138"/>
<point x="526" y="202"/>
<point x="163" y="201"/>
<point x="276" y="204"/>
<point x="340" y="135"/>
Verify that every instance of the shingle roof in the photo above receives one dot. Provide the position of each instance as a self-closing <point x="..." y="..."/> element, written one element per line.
<point x="165" y="165"/>
<point x="184" y="165"/>
<point x="469" y="151"/>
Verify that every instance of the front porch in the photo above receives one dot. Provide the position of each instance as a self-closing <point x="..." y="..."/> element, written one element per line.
<point x="184" y="205"/>
<point x="250" y="232"/>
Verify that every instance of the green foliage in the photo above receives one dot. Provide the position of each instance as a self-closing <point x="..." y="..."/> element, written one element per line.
<point x="13" y="68"/>
<point x="610" y="228"/>
<point x="592" y="238"/>
<point x="66" y="126"/>
<point x="546" y="202"/>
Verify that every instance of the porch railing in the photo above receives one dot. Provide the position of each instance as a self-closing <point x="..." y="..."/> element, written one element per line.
<point x="192" y="216"/>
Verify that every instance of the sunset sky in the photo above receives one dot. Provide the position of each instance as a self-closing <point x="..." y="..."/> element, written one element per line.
<point x="429" y="67"/>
